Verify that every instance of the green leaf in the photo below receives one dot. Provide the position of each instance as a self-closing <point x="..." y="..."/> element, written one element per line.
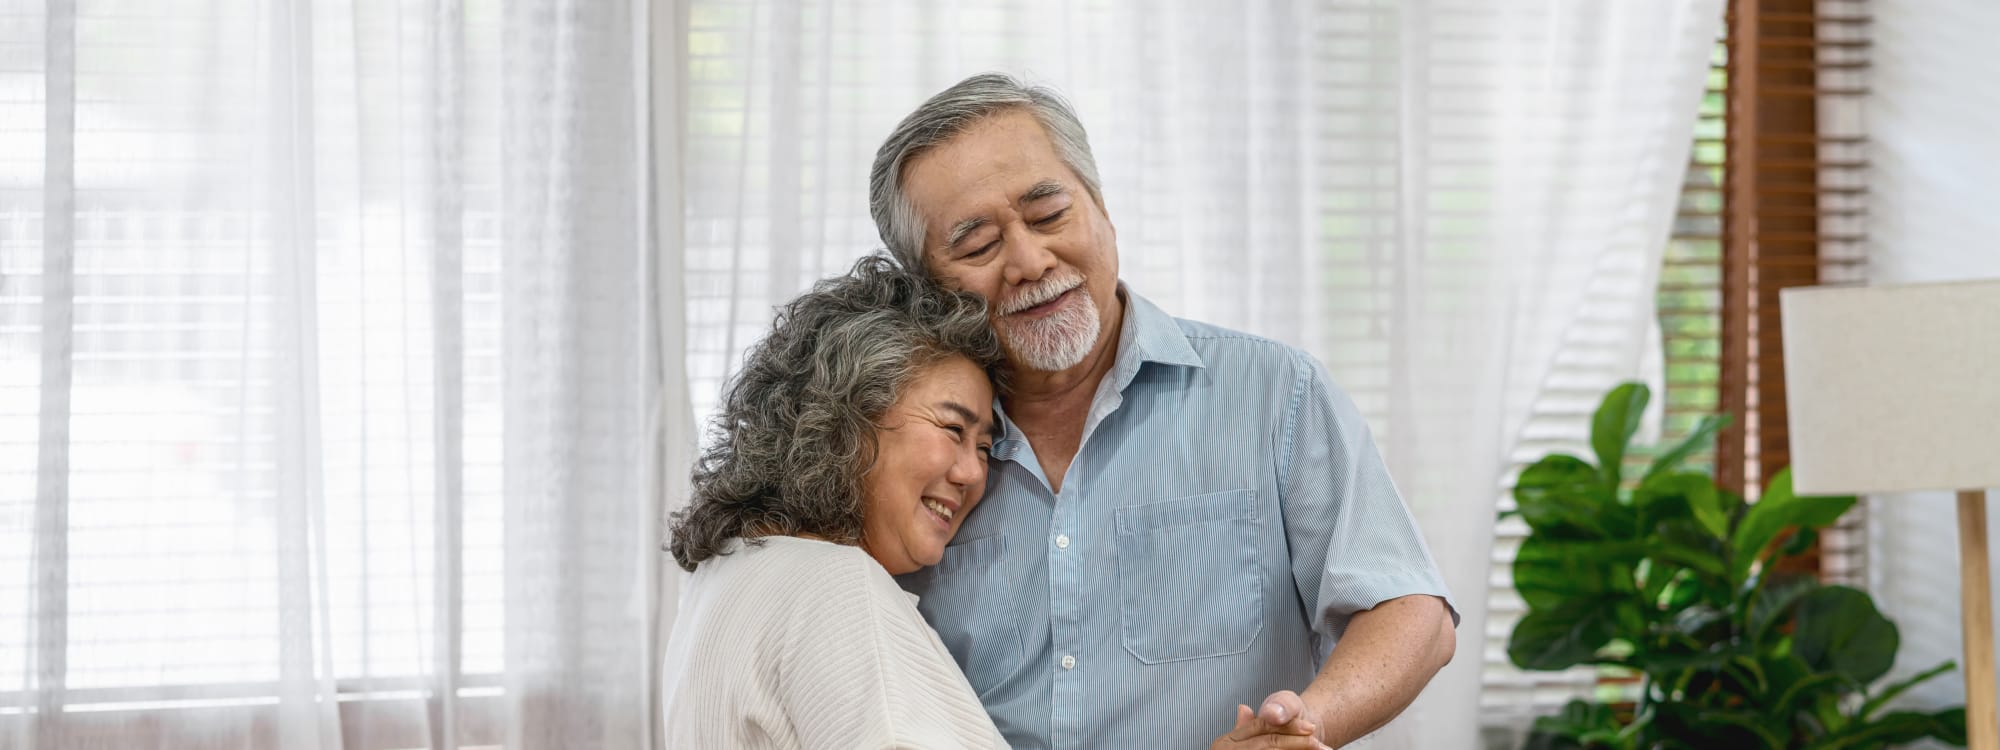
<point x="1892" y="729"/>
<point x="1708" y="507"/>
<point x="1804" y="692"/>
<point x="1697" y="439"/>
<point x="1800" y="542"/>
<point x="1949" y="726"/>
<point x="1748" y="667"/>
<point x="1700" y="560"/>
<point x="1539" y="739"/>
<point x="1890" y="692"/>
<point x="1683" y="543"/>
<point x="1561" y="495"/>
<point x="1838" y="629"/>
<point x="1641" y="720"/>
<point x="1612" y="427"/>
<point x="1747" y="721"/>
<point x="1655" y="507"/>
<point x="1772" y="513"/>
<point x="1773" y="602"/>
<point x="1712" y="656"/>
<point x="1654" y="578"/>
<point x="1685" y="726"/>
<point x="1574" y="727"/>
<point x="1697" y="622"/>
<point x="1549" y="572"/>
<point x="1560" y="638"/>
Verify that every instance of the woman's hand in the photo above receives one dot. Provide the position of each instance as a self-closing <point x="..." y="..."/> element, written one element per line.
<point x="1276" y="726"/>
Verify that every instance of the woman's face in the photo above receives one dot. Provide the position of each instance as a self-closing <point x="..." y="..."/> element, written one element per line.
<point x="930" y="465"/>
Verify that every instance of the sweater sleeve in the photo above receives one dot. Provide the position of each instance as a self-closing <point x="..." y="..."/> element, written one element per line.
<point x="862" y="669"/>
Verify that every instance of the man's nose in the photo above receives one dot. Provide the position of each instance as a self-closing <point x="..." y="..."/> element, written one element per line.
<point x="1028" y="257"/>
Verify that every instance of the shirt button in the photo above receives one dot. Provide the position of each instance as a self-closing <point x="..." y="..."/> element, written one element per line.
<point x="1062" y="541"/>
<point x="1069" y="662"/>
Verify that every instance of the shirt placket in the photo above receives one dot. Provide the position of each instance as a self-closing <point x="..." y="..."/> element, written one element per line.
<point x="1066" y="580"/>
<point x="1065" y="620"/>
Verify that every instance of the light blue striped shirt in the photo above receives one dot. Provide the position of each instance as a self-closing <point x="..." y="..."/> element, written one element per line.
<point x="1225" y="516"/>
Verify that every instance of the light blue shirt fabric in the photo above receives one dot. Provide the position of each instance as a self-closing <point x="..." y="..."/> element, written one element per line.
<point x="1225" y="516"/>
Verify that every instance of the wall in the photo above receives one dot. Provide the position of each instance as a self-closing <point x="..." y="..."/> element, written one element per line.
<point x="1934" y="214"/>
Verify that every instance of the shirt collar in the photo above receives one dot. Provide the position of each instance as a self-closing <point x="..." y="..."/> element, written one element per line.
<point x="1148" y="334"/>
<point x="1145" y="334"/>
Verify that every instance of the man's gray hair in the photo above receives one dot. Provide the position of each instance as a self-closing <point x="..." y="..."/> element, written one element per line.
<point x="945" y="116"/>
<point x="796" y="430"/>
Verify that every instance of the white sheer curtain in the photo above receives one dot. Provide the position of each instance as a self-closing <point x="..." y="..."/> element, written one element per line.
<point x="1930" y="115"/>
<point x="1459" y="206"/>
<point x="330" y="384"/>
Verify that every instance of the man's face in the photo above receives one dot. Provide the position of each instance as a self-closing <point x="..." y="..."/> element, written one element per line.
<point x="1004" y="218"/>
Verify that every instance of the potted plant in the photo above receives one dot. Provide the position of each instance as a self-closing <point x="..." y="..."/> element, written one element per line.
<point x="1669" y="578"/>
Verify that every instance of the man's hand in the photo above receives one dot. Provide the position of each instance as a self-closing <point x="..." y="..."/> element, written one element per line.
<point x="1282" y="722"/>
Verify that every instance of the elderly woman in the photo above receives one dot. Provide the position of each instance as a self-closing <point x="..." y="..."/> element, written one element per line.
<point x="847" y="450"/>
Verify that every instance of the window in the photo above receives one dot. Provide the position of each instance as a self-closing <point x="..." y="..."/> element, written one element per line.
<point x="1800" y="185"/>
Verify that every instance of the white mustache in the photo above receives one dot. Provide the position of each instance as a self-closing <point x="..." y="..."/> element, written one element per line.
<point x="1047" y="290"/>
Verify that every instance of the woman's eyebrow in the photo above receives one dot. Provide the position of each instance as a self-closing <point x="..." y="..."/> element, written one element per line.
<point x="964" y="412"/>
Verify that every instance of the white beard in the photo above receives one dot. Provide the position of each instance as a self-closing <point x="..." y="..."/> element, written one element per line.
<point x="1057" y="342"/>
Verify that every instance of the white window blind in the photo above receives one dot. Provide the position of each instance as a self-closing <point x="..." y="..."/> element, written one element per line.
<point x="1930" y="116"/>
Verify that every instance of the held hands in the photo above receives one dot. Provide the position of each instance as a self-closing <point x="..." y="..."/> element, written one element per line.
<point x="1282" y="722"/>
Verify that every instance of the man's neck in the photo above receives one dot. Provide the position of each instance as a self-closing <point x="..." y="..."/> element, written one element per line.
<point x="1050" y="407"/>
<point x="1034" y="388"/>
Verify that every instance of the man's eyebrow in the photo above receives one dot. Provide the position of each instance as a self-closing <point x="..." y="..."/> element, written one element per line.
<point x="961" y="229"/>
<point x="1043" y="189"/>
<point x="964" y="412"/>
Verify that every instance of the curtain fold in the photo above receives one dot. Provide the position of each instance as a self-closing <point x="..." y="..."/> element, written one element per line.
<point x="333" y="402"/>
<point x="1458" y="206"/>
<point x="673" y="425"/>
<point x="44" y="657"/>
<point x="580" y="361"/>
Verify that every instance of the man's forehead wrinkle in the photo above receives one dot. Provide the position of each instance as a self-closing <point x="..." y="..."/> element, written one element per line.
<point x="979" y="175"/>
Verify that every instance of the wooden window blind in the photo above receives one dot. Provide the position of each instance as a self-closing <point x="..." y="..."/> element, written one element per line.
<point x="1793" y="214"/>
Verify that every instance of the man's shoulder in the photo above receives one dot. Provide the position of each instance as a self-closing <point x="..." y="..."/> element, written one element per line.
<point x="1245" y="350"/>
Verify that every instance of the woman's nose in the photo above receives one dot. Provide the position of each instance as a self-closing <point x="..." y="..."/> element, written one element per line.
<point x="968" y="469"/>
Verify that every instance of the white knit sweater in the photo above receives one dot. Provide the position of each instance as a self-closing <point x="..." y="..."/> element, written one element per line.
<point x="801" y="643"/>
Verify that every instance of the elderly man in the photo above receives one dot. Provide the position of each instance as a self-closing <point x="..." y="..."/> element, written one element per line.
<point x="1180" y="518"/>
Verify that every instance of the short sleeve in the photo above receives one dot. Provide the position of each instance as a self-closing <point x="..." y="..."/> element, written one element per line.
<point x="862" y="670"/>
<point x="1354" y="543"/>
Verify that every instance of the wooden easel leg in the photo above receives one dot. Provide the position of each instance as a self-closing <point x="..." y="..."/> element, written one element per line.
<point x="1975" y="598"/>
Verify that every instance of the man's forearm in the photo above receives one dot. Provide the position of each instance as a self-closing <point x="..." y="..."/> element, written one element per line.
<point x="1382" y="662"/>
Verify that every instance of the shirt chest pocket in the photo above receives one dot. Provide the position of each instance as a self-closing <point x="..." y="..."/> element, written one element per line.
<point x="1188" y="582"/>
<point x="967" y="600"/>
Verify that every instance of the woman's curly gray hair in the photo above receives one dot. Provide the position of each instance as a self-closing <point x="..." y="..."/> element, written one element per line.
<point x="796" y="429"/>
